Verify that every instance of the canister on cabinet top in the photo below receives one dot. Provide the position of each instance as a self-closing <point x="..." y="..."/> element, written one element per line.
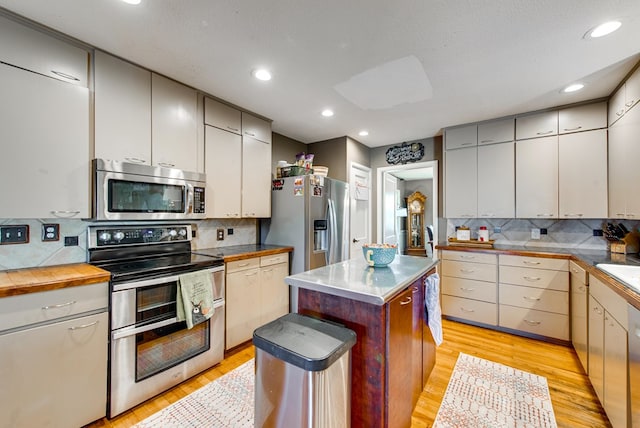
<point x="483" y="234"/>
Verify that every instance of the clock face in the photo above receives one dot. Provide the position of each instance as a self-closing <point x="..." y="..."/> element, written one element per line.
<point x="416" y="206"/>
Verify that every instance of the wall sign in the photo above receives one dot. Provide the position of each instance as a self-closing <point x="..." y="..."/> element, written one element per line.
<point x="405" y="153"/>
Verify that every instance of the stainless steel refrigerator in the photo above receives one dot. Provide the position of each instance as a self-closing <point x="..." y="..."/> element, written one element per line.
<point x="311" y="214"/>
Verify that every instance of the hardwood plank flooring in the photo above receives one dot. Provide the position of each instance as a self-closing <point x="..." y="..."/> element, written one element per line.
<point x="574" y="401"/>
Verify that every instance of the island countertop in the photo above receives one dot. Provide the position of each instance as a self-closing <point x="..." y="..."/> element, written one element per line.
<point x="355" y="279"/>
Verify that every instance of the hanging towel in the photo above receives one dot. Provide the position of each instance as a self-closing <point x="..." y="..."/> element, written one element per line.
<point x="432" y="306"/>
<point x="194" y="297"/>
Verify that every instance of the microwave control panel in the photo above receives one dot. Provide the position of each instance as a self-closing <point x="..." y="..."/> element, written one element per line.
<point x="198" y="200"/>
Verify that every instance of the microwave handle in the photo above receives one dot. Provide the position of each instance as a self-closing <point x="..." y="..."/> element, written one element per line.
<point x="189" y="202"/>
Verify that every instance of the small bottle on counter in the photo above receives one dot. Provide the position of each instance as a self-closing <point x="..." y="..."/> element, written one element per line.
<point x="483" y="234"/>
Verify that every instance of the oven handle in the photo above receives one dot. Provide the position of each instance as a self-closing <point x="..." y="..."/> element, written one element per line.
<point x="154" y="281"/>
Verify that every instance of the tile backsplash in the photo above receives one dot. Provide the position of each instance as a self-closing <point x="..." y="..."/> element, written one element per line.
<point x="576" y="234"/>
<point x="38" y="253"/>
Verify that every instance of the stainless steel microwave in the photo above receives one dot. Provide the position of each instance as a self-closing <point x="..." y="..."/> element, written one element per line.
<point x="128" y="191"/>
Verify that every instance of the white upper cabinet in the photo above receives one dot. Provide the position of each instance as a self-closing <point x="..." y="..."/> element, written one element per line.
<point x="537" y="178"/>
<point x="255" y="127"/>
<point x="625" y="97"/>
<point x="582" y="118"/>
<point x="461" y="183"/>
<point x="461" y="136"/>
<point x="583" y="174"/>
<point x="496" y="180"/>
<point x="223" y="160"/>
<point x="537" y="125"/>
<point x="33" y="50"/>
<point x="222" y="116"/>
<point x="616" y="106"/>
<point x="256" y="178"/>
<point x="122" y="110"/>
<point x="497" y="131"/>
<point x="624" y="174"/>
<point x="174" y="133"/>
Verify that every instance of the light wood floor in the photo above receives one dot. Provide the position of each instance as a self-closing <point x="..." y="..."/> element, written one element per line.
<point x="574" y="401"/>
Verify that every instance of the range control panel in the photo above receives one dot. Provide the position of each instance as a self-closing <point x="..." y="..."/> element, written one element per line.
<point x="102" y="236"/>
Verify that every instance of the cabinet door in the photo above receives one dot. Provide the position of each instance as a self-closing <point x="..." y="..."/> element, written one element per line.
<point x="222" y="116"/>
<point x="399" y="367"/>
<point x="632" y="90"/>
<point x="256" y="178"/>
<point x="45" y="159"/>
<point x="615" y="371"/>
<point x="537" y="178"/>
<point x="616" y="106"/>
<point x="596" y="347"/>
<point x="461" y="183"/>
<point x="55" y="375"/>
<point x="579" y="312"/>
<point x="242" y="306"/>
<point x="497" y="131"/>
<point x="582" y="174"/>
<point x="257" y="128"/>
<point x="624" y="173"/>
<point x="496" y="181"/>
<point x="417" y="294"/>
<point x="461" y="136"/>
<point x="122" y="110"/>
<point x="537" y="125"/>
<point x="174" y="125"/>
<point x="223" y="157"/>
<point x="275" y="292"/>
<point x="582" y="118"/>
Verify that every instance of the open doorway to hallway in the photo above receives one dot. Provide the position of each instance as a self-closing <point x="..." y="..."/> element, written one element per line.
<point x="394" y="185"/>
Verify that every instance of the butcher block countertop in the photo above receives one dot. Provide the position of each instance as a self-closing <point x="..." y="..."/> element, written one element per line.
<point x="243" y="252"/>
<point x="32" y="280"/>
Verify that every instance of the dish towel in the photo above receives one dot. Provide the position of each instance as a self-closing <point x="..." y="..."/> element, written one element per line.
<point x="432" y="306"/>
<point x="195" y="297"/>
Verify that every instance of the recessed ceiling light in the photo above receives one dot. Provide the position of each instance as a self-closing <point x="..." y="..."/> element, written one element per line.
<point x="363" y="133"/>
<point x="132" y="1"/>
<point x="574" y="87"/>
<point x="603" y="29"/>
<point x="262" y="74"/>
<point x="327" y="112"/>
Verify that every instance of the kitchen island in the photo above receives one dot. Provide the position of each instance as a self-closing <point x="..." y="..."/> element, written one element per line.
<point x="394" y="352"/>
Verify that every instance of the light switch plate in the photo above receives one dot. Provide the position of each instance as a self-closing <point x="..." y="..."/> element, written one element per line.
<point x="535" y="233"/>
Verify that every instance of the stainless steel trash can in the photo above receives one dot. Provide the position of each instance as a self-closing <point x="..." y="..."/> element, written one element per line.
<point x="303" y="373"/>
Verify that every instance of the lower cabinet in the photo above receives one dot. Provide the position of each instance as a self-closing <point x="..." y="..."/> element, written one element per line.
<point x="255" y="295"/>
<point x="579" y="280"/>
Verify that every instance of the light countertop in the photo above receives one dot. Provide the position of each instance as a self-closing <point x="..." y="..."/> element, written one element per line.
<point x="355" y="279"/>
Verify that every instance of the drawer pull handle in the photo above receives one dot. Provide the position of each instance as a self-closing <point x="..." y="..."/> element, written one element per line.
<point x="528" y="262"/>
<point x="544" y="132"/>
<point x="467" y="270"/>
<point x="166" y="164"/>
<point x="597" y="310"/>
<point x="630" y="103"/>
<point x="467" y="289"/>
<point x="573" y="129"/>
<point x="251" y="274"/>
<point x="61" y="305"/>
<point x="466" y="310"/>
<point x="65" y="213"/>
<point x="466" y="144"/>
<point x="83" y="326"/>
<point x="243" y="264"/>
<point x="487" y="141"/>
<point x="532" y="322"/>
<point x="136" y="160"/>
<point x="467" y="257"/>
<point x="574" y="270"/>
<point x="406" y="302"/>
<point x="532" y="278"/>
<point x="535" y="299"/>
<point x="233" y="129"/>
<point x="415" y="290"/>
<point x="582" y="288"/>
<point x="544" y="215"/>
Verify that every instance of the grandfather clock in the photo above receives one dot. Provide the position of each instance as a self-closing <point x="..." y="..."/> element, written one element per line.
<point x="415" y="224"/>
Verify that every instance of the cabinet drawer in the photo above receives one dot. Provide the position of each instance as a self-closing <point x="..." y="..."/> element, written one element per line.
<point x="535" y="298"/>
<point x="537" y="125"/>
<point x="535" y="322"/>
<point x="239" y="265"/>
<point x="222" y="116"/>
<point x="461" y="136"/>
<point x="497" y="131"/>
<point x="469" y="288"/>
<point x="468" y="270"/>
<point x="539" y="278"/>
<point x="463" y="256"/>
<point x="257" y="128"/>
<point x="534" y="262"/>
<point x="578" y="274"/>
<point x="274" y="259"/>
<point x="472" y="310"/>
<point x="614" y="304"/>
<point x="27" y="309"/>
<point x="582" y="118"/>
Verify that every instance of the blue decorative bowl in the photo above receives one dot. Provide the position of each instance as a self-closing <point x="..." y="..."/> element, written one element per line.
<point x="377" y="255"/>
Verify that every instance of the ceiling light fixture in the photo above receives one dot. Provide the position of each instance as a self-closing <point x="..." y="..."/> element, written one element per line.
<point x="327" y="112"/>
<point x="363" y="133"/>
<point x="132" y="1"/>
<point x="603" y="29"/>
<point x="262" y="74"/>
<point x="573" y="87"/>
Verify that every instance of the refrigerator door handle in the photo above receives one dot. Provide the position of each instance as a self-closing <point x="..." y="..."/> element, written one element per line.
<point x="330" y="255"/>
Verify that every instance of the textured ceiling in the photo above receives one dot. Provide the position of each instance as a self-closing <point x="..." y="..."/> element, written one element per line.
<point x="474" y="59"/>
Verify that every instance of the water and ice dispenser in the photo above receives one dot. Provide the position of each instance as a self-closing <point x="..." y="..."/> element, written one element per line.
<point x="320" y="235"/>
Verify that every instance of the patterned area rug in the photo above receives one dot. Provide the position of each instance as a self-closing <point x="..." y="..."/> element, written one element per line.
<point x="225" y="402"/>
<point x="482" y="393"/>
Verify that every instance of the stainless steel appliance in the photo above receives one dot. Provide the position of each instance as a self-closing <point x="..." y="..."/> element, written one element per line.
<point x="129" y="191"/>
<point x="150" y="350"/>
<point x="311" y="214"/>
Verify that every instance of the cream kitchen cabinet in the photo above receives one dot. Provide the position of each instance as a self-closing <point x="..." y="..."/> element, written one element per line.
<point x="469" y="290"/>
<point x="222" y="116"/>
<point x="624" y="173"/>
<point x="174" y="122"/>
<point x="461" y="136"/>
<point x="582" y="118"/>
<point x="534" y="295"/>
<point x="122" y="110"/>
<point x="256" y="128"/>
<point x="537" y="125"/>
<point x="537" y="178"/>
<point x="256" y="178"/>
<point x="582" y="174"/>
<point x="579" y="282"/>
<point x="624" y="98"/>
<point x="608" y="350"/>
<point x="461" y="183"/>
<point x="255" y="295"/>
<point x="496" y="180"/>
<point x="496" y="131"/>
<point x="223" y="160"/>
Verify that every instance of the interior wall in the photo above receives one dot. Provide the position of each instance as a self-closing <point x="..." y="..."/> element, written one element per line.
<point x="332" y="154"/>
<point x="357" y="152"/>
<point x="284" y="148"/>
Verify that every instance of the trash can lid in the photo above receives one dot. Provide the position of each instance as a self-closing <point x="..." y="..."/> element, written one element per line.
<point x="309" y="343"/>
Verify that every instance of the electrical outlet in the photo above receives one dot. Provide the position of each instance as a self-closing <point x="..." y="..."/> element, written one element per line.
<point x="497" y="229"/>
<point x="14" y="234"/>
<point x="70" y="241"/>
<point x="220" y="234"/>
<point x="50" y="232"/>
<point x="230" y="231"/>
<point x="597" y="232"/>
<point x="535" y="233"/>
<point x="543" y="231"/>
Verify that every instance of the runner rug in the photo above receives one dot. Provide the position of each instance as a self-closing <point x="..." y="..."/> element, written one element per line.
<point x="225" y="402"/>
<point x="482" y="393"/>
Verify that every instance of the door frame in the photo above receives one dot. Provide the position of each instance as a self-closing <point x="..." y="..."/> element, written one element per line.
<point x="379" y="195"/>
<point x="365" y="169"/>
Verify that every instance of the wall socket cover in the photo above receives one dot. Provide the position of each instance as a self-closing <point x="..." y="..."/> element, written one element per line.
<point x="535" y="233"/>
<point x="220" y="234"/>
